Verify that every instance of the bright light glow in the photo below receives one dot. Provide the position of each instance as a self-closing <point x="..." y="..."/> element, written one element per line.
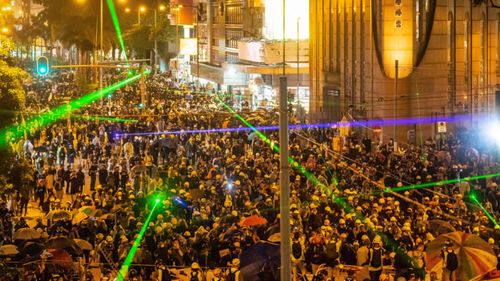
<point x="492" y="130"/>
<point x="273" y="26"/>
<point x="5" y="30"/>
<point x="142" y="9"/>
<point x="230" y="186"/>
<point x="127" y="10"/>
<point x="162" y="8"/>
<point x="188" y="46"/>
<point x="43" y="70"/>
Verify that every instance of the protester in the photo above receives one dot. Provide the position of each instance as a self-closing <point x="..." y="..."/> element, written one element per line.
<point x="210" y="182"/>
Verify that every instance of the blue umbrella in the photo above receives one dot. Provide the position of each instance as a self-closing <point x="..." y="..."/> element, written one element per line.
<point x="261" y="262"/>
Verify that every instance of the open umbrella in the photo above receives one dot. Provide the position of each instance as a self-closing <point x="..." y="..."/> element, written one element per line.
<point x="260" y="262"/>
<point x="438" y="227"/>
<point x="26" y="234"/>
<point x="58" y="215"/>
<point x="275" y="238"/>
<point x="8" y="250"/>
<point x="475" y="256"/>
<point x="87" y="210"/>
<point x="78" y="218"/>
<point x="253" y="221"/>
<point x="60" y="257"/>
<point x="62" y="242"/>
<point x="33" y="249"/>
<point x="84" y="245"/>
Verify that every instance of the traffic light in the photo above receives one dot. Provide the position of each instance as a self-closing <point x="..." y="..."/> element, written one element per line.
<point x="42" y="66"/>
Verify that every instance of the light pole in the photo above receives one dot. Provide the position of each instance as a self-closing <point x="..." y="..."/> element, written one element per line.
<point x="100" y="45"/>
<point x="161" y="8"/>
<point x="285" y="270"/>
<point x="177" y="31"/>
<point x="298" y="59"/>
<point x="142" y="9"/>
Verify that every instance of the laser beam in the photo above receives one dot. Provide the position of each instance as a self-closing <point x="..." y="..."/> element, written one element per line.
<point x="429" y="184"/>
<point x="116" y="23"/>
<point x="337" y="200"/>
<point x="473" y="198"/>
<point x="102" y="118"/>
<point x="389" y="122"/>
<point x="123" y="272"/>
<point x="16" y="131"/>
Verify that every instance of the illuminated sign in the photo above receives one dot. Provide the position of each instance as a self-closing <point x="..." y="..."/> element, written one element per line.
<point x="188" y="46"/>
<point x="296" y="10"/>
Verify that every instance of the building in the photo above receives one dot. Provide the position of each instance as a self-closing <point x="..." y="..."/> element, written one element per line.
<point x="239" y="43"/>
<point x="385" y="59"/>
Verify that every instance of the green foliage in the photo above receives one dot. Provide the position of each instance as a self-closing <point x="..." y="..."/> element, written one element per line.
<point x="77" y="22"/>
<point x="12" y="97"/>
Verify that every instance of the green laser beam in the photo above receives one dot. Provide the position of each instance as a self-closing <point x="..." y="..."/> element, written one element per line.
<point x="102" y="118"/>
<point x="337" y="200"/>
<point x="429" y="184"/>
<point x="492" y="219"/>
<point x="17" y="131"/>
<point x="116" y="23"/>
<point x="122" y="274"/>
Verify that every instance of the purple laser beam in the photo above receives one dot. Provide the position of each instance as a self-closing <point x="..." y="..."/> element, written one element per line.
<point x="368" y="123"/>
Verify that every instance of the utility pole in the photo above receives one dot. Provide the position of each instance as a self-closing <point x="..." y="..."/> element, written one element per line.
<point x="101" y="52"/>
<point x="198" y="45"/>
<point x="298" y="59"/>
<point x="156" y="46"/>
<point x="143" y="88"/>
<point x="396" y="74"/>
<point x="285" y="270"/>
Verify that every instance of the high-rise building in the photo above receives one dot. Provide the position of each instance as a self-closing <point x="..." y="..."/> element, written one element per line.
<point x="240" y="49"/>
<point x="385" y="59"/>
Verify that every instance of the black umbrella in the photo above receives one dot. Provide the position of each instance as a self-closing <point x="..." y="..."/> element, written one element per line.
<point x="62" y="242"/>
<point x="33" y="249"/>
<point x="261" y="262"/>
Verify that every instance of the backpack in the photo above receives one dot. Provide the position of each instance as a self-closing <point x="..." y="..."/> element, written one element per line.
<point x="331" y="251"/>
<point x="296" y="250"/>
<point x="451" y="261"/>
<point x="375" y="258"/>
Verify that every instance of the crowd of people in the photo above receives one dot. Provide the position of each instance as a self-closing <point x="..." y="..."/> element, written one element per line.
<point x="98" y="181"/>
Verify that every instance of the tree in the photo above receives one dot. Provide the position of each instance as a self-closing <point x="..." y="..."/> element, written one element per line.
<point x="12" y="98"/>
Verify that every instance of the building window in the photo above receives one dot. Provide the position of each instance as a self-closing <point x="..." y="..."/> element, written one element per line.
<point x="234" y="14"/>
<point x="232" y="57"/>
<point x="232" y="37"/>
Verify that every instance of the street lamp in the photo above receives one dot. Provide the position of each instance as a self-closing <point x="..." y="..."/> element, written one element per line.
<point x="142" y="9"/>
<point x="298" y="60"/>
<point x="127" y="10"/>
